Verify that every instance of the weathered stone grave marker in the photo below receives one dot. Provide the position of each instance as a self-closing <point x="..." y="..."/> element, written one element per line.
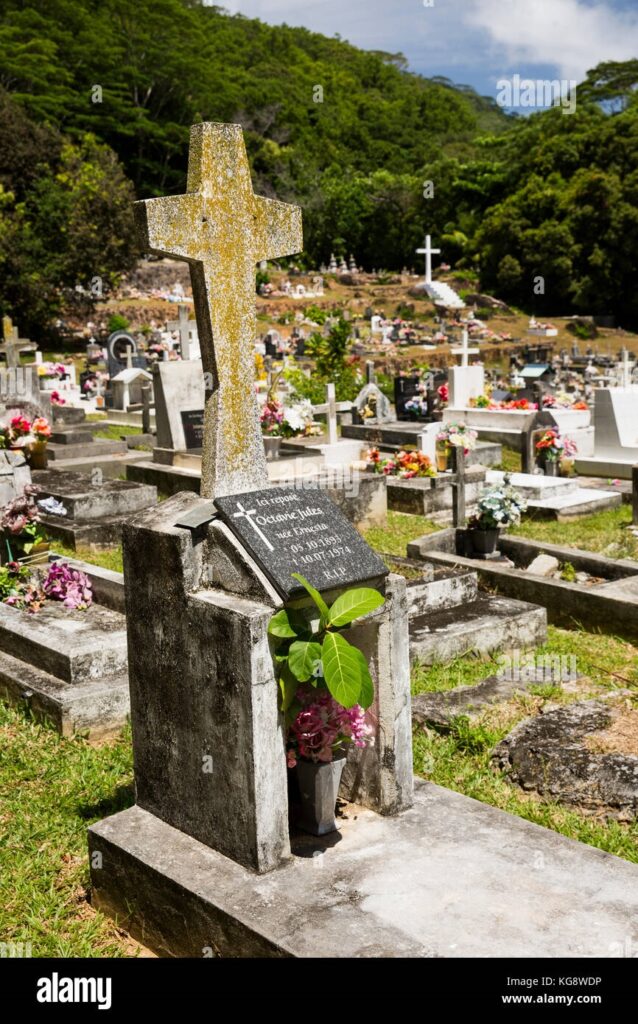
<point x="202" y="227"/>
<point x="12" y="345"/>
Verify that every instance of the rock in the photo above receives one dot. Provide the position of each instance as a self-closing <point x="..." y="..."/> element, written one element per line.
<point x="549" y="755"/>
<point x="486" y="302"/>
<point x="439" y="709"/>
<point x="543" y="565"/>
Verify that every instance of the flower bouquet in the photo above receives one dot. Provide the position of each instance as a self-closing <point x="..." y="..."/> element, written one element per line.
<point x="453" y="435"/>
<point x="20" y="526"/>
<point x="16" y="434"/>
<point x="498" y="507"/>
<point x="406" y="465"/>
<point x="552" y="448"/>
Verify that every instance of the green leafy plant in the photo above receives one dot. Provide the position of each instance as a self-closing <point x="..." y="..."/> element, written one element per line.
<point x="569" y="573"/>
<point x="318" y="653"/>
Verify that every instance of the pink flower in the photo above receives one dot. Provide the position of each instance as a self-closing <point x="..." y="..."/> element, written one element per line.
<point x="323" y="727"/>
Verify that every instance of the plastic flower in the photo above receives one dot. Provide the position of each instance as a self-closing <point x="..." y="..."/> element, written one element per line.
<point x="322" y="728"/>
<point x="52" y="507"/>
<point x="41" y="428"/>
<point x="71" y="586"/>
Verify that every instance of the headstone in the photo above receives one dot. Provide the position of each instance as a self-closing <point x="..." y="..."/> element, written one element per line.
<point x="126" y="387"/>
<point x="187" y="328"/>
<point x="458" y="488"/>
<point x="204" y="578"/>
<point x="12" y="345"/>
<point x="202" y="227"/>
<point x="465" y="382"/>
<point x="288" y="531"/>
<point x="405" y="389"/>
<point x="372" y="405"/>
<point x="116" y="350"/>
<point x="15" y="474"/>
<point x="330" y="408"/>
<point x="20" y="393"/>
<point x="179" y="393"/>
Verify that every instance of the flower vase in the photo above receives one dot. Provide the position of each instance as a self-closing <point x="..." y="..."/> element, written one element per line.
<point x="272" y="446"/>
<point x="550" y="468"/>
<point x="442" y="458"/>
<point x="484" y="541"/>
<point x="318" y="790"/>
<point x="37" y="455"/>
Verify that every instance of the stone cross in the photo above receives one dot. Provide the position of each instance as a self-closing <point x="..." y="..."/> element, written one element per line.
<point x="626" y="369"/>
<point x="464" y="351"/>
<point x="222" y="230"/>
<point x="428" y="252"/>
<point x="12" y="345"/>
<point x="458" y="487"/>
<point x="371" y="377"/>
<point x="330" y="408"/>
<point x="182" y="325"/>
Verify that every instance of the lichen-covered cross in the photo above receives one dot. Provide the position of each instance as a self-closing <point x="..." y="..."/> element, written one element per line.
<point x="222" y="229"/>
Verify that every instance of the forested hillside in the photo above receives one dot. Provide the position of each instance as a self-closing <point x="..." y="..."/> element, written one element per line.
<point x="107" y="89"/>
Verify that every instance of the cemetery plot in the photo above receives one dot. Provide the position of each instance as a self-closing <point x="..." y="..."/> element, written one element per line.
<point x="69" y="665"/>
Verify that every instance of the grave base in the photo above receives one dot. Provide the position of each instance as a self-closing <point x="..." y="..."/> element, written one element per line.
<point x="450" y="877"/>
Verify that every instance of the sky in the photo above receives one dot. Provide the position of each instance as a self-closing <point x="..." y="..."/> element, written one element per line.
<point x="473" y="42"/>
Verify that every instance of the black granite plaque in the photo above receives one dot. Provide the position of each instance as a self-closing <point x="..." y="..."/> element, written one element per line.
<point x="193" y="424"/>
<point x="287" y="530"/>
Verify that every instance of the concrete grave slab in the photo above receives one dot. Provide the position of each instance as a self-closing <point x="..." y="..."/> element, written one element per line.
<point x="425" y="884"/>
<point x="70" y="667"/>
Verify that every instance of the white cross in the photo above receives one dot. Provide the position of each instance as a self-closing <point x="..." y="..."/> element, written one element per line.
<point x="331" y="407"/>
<point x="428" y="252"/>
<point x="182" y="324"/>
<point x="627" y="370"/>
<point x="246" y="514"/>
<point x="464" y="351"/>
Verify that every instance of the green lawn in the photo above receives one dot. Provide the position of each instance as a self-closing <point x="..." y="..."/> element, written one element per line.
<point x="108" y="558"/>
<point x="400" y="530"/>
<point x="460" y="759"/>
<point x="50" y="791"/>
<point x="604" y="532"/>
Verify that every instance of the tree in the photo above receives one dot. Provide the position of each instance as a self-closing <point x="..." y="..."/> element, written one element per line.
<point x="67" y="224"/>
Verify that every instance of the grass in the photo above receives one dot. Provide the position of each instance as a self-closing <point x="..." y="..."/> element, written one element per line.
<point x="116" y="431"/>
<point x="400" y="530"/>
<point x="609" y="662"/>
<point x="603" y="532"/>
<point x="510" y="460"/>
<point x="461" y="758"/>
<point x="50" y="791"/>
<point x="107" y="558"/>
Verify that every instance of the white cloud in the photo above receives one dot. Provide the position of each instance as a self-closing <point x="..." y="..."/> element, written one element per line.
<point x="571" y="35"/>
